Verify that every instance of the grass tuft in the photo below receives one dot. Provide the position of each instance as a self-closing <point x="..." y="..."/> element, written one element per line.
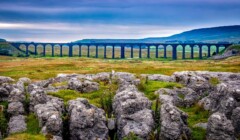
<point x="214" y="81"/>
<point x="151" y="86"/>
<point x="197" y="114"/>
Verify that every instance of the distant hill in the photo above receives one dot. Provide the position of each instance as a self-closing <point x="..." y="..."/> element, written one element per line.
<point x="2" y="40"/>
<point x="213" y="35"/>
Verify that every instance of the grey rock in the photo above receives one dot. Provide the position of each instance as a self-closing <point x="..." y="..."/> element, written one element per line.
<point x="190" y="96"/>
<point x="20" y="85"/>
<point x="49" y="119"/>
<point x="16" y="95"/>
<point x="89" y="86"/>
<point x="182" y="97"/>
<point x="160" y="77"/>
<point x="173" y="123"/>
<point x="4" y="79"/>
<point x="57" y="138"/>
<point x="195" y="81"/>
<point x="219" y="128"/>
<point x="83" y="87"/>
<point x="111" y="123"/>
<point x="17" y="124"/>
<point x="57" y="103"/>
<point x="3" y="94"/>
<point x="0" y="135"/>
<point x="132" y="111"/>
<point x="123" y="78"/>
<point x="75" y="84"/>
<point x="223" y="99"/>
<point x="37" y="96"/>
<point x="25" y="80"/>
<point x="86" y="121"/>
<point x="103" y="76"/>
<point x="201" y="125"/>
<point x="236" y="120"/>
<point x="15" y="108"/>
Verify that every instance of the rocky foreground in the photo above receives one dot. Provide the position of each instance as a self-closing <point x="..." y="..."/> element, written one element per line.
<point x="216" y="92"/>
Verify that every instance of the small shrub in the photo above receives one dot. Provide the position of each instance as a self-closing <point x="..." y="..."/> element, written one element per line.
<point x="106" y="99"/>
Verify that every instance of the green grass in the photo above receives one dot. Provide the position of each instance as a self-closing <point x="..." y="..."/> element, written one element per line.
<point x="3" y="118"/>
<point x="35" y="68"/>
<point x="236" y="47"/>
<point x="196" y="114"/>
<point x="32" y="125"/>
<point x="93" y="97"/>
<point x="26" y="136"/>
<point x="150" y="87"/>
<point x="32" y="132"/>
<point x="214" y="81"/>
<point x="60" y="84"/>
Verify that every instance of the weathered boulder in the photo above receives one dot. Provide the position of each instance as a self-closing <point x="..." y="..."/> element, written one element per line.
<point x="17" y="124"/>
<point x="16" y="95"/>
<point x="64" y="77"/>
<point x="236" y="120"/>
<point x="15" y="108"/>
<point x="223" y="99"/>
<point x="57" y="138"/>
<point x="111" y="123"/>
<point x="75" y="84"/>
<point x="3" y="94"/>
<point x="37" y="96"/>
<point x="25" y="80"/>
<point x="83" y="87"/>
<point x="89" y="86"/>
<point x="103" y="76"/>
<point x="219" y="128"/>
<point x="4" y="79"/>
<point x="49" y="119"/>
<point x="194" y="81"/>
<point x="173" y="123"/>
<point x="57" y="103"/>
<point x="182" y="97"/>
<point x="189" y="96"/>
<point x="133" y="113"/>
<point x="159" y="77"/>
<point x="86" y="121"/>
<point x="123" y="78"/>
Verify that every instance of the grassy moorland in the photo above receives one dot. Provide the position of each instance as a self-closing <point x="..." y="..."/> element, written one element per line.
<point x="43" y="68"/>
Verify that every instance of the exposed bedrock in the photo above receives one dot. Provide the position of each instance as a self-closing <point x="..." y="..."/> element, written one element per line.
<point x="158" y="77"/>
<point x="173" y="123"/>
<point x="220" y="128"/>
<point x="224" y="98"/>
<point x="217" y="92"/>
<point x="86" y="122"/>
<point x="17" y="124"/>
<point x="82" y="86"/>
<point x="132" y="110"/>
<point x="49" y="116"/>
<point x="181" y="97"/>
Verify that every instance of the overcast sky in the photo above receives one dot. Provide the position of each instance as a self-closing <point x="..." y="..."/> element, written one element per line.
<point x="70" y="20"/>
